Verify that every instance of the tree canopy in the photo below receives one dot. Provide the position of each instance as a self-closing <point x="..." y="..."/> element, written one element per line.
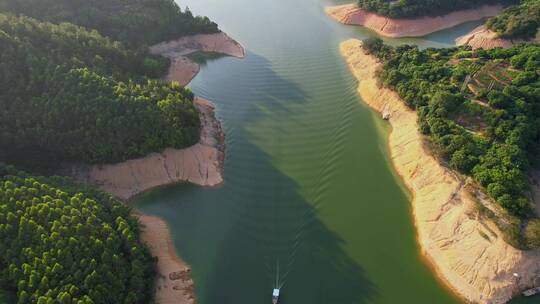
<point x="70" y="94"/>
<point x="419" y="8"/>
<point x="61" y="242"/>
<point x="135" y="22"/>
<point x="520" y="21"/>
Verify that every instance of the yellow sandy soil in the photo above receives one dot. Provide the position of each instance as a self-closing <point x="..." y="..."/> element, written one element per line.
<point x="482" y="37"/>
<point x="173" y="282"/>
<point x="182" y="69"/>
<point x="351" y="14"/>
<point x="468" y="253"/>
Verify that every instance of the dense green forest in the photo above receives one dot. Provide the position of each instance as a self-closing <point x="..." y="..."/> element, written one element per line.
<point x="480" y="109"/>
<point x="61" y="242"/>
<point x="70" y="94"/>
<point x="520" y="21"/>
<point x="6" y="297"/>
<point x="417" y="8"/>
<point x="135" y="22"/>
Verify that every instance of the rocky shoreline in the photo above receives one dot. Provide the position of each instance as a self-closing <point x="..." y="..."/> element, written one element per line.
<point x="395" y="28"/>
<point x="467" y="250"/>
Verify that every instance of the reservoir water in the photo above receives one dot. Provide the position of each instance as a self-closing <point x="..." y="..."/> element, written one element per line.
<point x="308" y="183"/>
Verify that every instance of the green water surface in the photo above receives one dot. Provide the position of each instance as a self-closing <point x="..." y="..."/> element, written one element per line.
<point x="308" y="183"/>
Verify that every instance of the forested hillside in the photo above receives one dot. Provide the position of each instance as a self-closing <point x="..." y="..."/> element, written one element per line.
<point x="82" y="94"/>
<point x="480" y="109"/>
<point x="520" y="21"/>
<point x="70" y="94"/>
<point x="135" y="22"/>
<point x="417" y="8"/>
<point x="64" y="243"/>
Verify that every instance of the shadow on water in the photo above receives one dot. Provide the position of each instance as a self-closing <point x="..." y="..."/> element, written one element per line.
<point x="233" y="236"/>
<point x="271" y="228"/>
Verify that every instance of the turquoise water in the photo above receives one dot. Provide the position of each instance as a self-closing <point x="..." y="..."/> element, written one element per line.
<point x="308" y="183"/>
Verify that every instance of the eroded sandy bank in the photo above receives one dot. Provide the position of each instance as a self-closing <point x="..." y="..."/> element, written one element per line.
<point x="173" y="283"/>
<point x="201" y="164"/>
<point x="182" y="69"/>
<point x="351" y="14"/>
<point x="468" y="252"/>
<point x="482" y="37"/>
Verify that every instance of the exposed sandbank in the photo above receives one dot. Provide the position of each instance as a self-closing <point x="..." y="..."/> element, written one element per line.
<point x="353" y="15"/>
<point x="201" y="164"/>
<point x="173" y="283"/>
<point x="468" y="252"/>
<point x="482" y="37"/>
<point x="182" y="69"/>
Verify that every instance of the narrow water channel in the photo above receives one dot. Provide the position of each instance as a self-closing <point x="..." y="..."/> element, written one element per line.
<point x="308" y="183"/>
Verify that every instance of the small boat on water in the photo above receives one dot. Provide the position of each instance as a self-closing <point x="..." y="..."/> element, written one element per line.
<point x="275" y="296"/>
<point x="531" y="292"/>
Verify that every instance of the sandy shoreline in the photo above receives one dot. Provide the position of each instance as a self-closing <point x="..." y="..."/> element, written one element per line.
<point x="173" y="284"/>
<point x="183" y="69"/>
<point x="467" y="252"/>
<point x="482" y="37"/>
<point x="388" y="27"/>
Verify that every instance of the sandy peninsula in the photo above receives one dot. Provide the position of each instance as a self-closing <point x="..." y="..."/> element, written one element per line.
<point x="482" y="37"/>
<point x="388" y="27"/>
<point x="173" y="283"/>
<point x="182" y="69"/>
<point x="467" y="251"/>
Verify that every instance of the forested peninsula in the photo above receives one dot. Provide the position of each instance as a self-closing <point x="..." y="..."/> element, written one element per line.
<point x="478" y="111"/>
<point x="69" y="94"/>
<point x="475" y="237"/>
<point x="78" y="85"/>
